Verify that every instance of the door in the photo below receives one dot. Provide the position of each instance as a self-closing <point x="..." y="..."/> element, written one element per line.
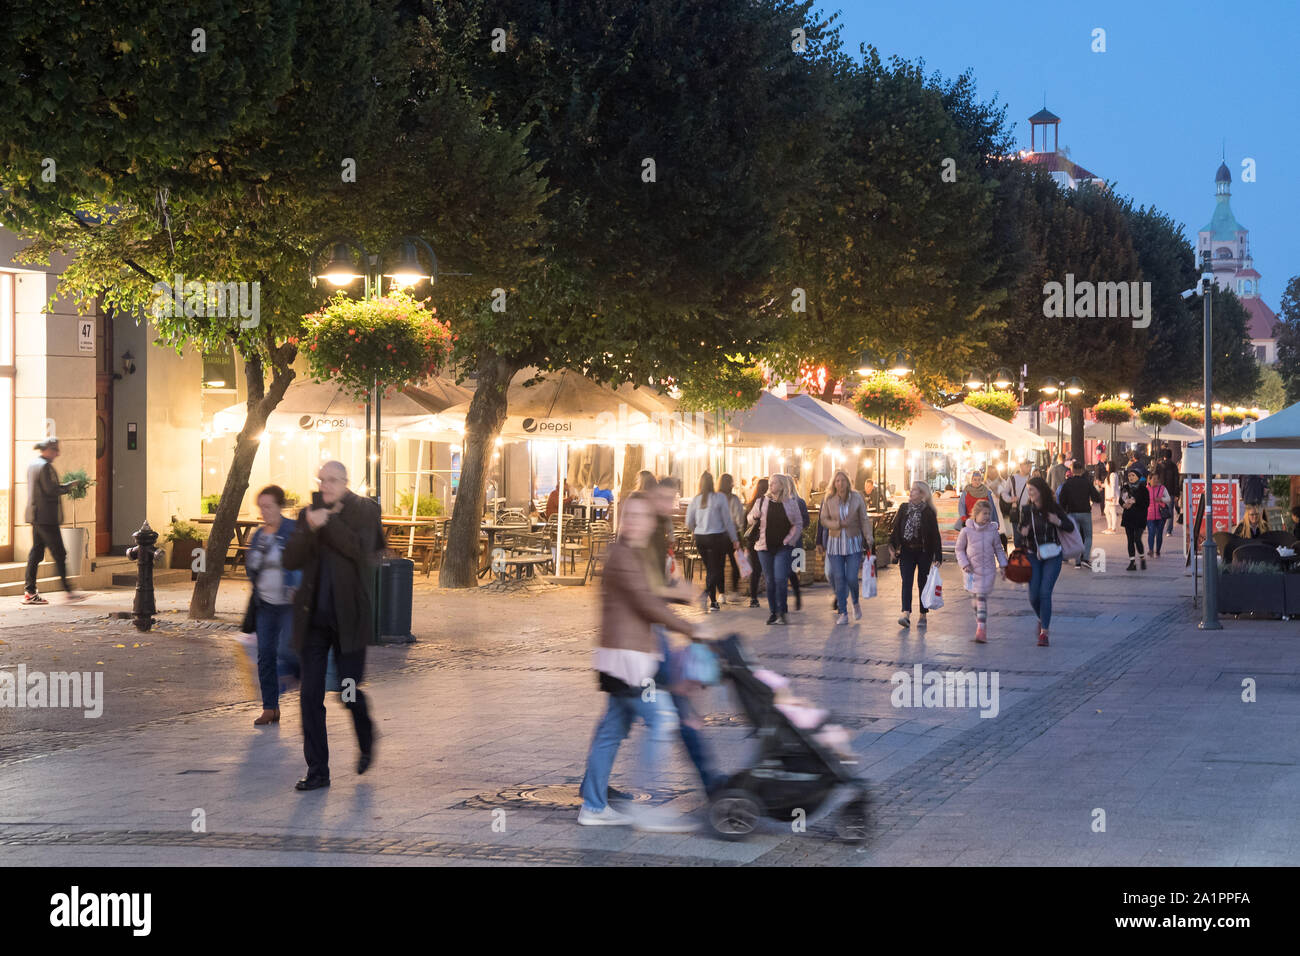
<point x="103" y="434"/>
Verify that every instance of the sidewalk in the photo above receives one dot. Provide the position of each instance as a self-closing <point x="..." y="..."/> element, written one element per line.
<point x="485" y="724"/>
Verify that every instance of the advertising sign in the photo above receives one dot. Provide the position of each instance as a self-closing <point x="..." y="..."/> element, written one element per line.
<point x="1224" y="503"/>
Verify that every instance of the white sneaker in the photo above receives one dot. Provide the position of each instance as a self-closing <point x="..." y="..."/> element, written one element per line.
<point x="842" y="619"/>
<point x="905" y="620"/>
<point x="857" y="612"/>
<point x="609" y="817"/>
<point x="659" y="820"/>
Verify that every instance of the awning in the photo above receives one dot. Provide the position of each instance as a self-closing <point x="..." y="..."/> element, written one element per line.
<point x="1017" y="438"/>
<point x="873" y="436"/>
<point x="779" y="423"/>
<point x="324" y="406"/>
<point x="1270" y="446"/>
<point x="936" y="430"/>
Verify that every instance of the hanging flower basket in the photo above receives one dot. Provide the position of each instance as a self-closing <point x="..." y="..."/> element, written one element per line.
<point x="1192" y="417"/>
<point x="1004" y="405"/>
<point x="1233" y="418"/>
<point x="732" y="388"/>
<point x="395" y="340"/>
<point x="1156" y="414"/>
<point x="1113" y="411"/>
<point x="884" y="398"/>
<point x="1216" y="417"/>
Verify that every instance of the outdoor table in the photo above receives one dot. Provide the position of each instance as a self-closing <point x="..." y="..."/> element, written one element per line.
<point x="243" y="528"/>
<point x="491" y="528"/>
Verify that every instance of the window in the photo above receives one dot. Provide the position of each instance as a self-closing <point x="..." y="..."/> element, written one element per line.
<point x="1261" y="353"/>
<point x="219" y="370"/>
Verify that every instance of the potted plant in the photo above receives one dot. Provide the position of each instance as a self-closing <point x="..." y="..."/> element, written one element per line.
<point x="884" y="552"/>
<point x="184" y="538"/>
<point x="884" y="398"/>
<point x="1113" y="411"/>
<point x="1192" y="417"/>
<point x="76" y="541"/>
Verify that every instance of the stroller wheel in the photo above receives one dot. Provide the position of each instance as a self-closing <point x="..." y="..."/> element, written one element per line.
<point x="851" y="822"/>
<point x="733" y="814"/>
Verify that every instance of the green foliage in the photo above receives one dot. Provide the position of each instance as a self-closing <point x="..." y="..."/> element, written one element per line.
<point x="1254" y="567"/>
<point x="395" y="340"/>
<point x="1192" y="417"/>
<point x="1156" y="414"/>
<point x="888" y="247"/>
<point x="1280" y="486"/>
<point x="1287" y="331"/>
<point x="208" y="503"/>
<point x="732" y="387"/>
<point x="1002" y="404"/>
<point x="183" y="531"/>
<point x="430" y="506"/>
<point x="81" y="483"/>
<point x="885" y="398"/>
<point x="1113" y="411"/>
<point x="1271" y="394"/>
<point x="1233" y="418"/>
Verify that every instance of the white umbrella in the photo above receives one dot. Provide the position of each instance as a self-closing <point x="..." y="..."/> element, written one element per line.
<point x="773" y="421"/>
<point x="1015" y="436"/>
<point x="872" y="436"/>
<point x="936" y="430"/>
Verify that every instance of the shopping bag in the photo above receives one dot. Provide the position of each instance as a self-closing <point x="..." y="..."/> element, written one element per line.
<point x="742" y="562"/>
<point x="869" y="577"/>
<point x="1071" y="544"/>
<point x="968" y="580"/>
<point x="932" y="596"/>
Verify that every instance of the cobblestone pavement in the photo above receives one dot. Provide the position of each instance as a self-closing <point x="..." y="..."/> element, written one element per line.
<point x="1133" y="719"/>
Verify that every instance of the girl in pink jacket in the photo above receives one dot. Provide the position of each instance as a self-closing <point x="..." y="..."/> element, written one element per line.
<point x="981" y="556"/>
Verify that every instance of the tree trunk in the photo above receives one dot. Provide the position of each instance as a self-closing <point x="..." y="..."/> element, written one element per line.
<point x="633" y="465"/>
<point x="487" y="414"/>
<point x="1077" y="438"/>
<point x="261" y="402"/>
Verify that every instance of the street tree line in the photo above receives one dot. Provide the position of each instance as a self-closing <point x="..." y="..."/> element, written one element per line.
<point x="640" y="192"/>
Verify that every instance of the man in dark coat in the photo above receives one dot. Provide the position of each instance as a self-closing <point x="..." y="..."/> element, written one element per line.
<point x="45" y="514"/>
<point x="336" y="548"/>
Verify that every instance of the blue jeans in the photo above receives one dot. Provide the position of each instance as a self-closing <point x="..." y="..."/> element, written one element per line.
<point x="843" y="570"/>
<point x="1042" y="579"/>
<point x="613" y="728"/>
<point x="275" y="656"/>
<point x="1084" y="524"/>
<point x="776" y="571"/>
<point x="1155" y="535"/>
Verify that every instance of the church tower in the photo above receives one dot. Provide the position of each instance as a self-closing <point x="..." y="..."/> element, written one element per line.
<point x="1228" y="243"/>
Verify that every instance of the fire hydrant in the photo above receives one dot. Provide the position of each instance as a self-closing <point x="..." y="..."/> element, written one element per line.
<point x="144" y="554"/>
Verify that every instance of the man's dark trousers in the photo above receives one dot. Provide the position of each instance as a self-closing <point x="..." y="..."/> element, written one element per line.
<point x="315" y="658"/>
<point x="46" y="536"/>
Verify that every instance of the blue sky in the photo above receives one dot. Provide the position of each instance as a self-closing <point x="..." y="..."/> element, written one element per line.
<point x="1151" y="113"/>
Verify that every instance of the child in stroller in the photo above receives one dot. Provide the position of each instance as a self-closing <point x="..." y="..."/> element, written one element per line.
<point x="802" y="759"/>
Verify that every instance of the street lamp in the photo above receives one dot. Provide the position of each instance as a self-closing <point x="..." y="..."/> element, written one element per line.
<point x="1073" y="388"/>
<point x="1205" y="289"/>
<point x="347" y="260"/>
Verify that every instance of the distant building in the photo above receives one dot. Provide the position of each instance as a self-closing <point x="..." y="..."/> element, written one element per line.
<point x="1228" y="242"/>
<point x="1067" y="173"/>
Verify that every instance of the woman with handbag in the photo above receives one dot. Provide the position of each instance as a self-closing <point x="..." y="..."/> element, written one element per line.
<point x="708" y="517"/>
<point x="848" y="539"/>
<point x="271" y="603"/>
<point x="779" y="528"/>
<point x="1041" y="522"/>
<point x="915" y="539"/>
<point x="1159" y="510"/>
<point x="751" y="540"/>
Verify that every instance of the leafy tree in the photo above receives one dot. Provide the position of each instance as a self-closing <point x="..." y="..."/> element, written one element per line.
<point x="664" y="133"/>
<point x="1287" y="331"/>
<point x="252" y="179"/>
<point x="892" y="239"/>
<point x="1271" y="394"/>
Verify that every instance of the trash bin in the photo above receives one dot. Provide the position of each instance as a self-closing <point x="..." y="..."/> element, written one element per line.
<point x="396" y="586"/>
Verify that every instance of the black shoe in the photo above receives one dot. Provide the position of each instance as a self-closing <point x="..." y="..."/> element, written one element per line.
<point x="753" y="602"/>
<point x="771" y="619"/>
<point x="783" y="620"/>
<point x="1132" y="565"/>
<point x="365" y="760"/>
<point x="1144" y="564"/>
<point x="714" y="606"/>
<point x="312" y="783"/>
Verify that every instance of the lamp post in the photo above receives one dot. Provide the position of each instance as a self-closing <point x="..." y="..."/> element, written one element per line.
<point x="404" y="269"/>
<point x="1072" y="387"/>
<point x="1210" y="613"/>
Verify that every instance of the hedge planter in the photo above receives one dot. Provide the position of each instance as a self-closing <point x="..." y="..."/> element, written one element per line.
<point x="1291" y="588"/>
<point x="1253" y="593"/>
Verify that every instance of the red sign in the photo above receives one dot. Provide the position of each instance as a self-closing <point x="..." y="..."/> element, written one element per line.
<point x="1224" y="503"/>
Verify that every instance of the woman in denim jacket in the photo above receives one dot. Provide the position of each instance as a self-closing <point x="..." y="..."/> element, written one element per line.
<point x="273" y="589"/>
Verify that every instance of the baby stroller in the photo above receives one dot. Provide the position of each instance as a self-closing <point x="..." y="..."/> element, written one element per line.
<point x="794" y="771"/>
